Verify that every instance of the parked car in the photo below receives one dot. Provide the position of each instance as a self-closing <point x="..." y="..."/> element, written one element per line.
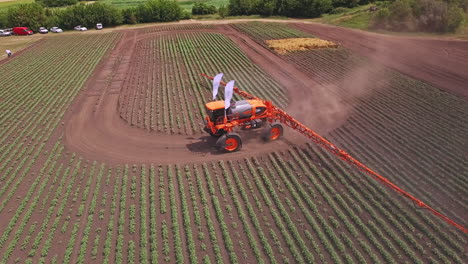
<point x="80" y="28"/>
<point x="43" y="30"/>
<point x="4" y="33"/>
<point x="56" y="30"/>
<point x="22" y="31"/>
<point x="99" y="26"/>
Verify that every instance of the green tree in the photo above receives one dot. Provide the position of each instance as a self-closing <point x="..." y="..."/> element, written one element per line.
<point x="52" y="19"/>
<point x="201" y="8"/>
<point x="103" y="13"/>
<point x="72" y="16"/>
<point x="454" y="18"/>
<point x="380" y="19"/>
<point x="26" y="15"/>
<point x="223" y="11"/>
<point x="346" y="3"/>
<point x="129" y="16"/>
<point x="307" y="8"/>
<point x="401" y="14"/>
<point x="3" y="20"/>
<point x="243" y="7"/>
<point x="291" y="8"/>
<point x="89" y="15"/>
<point x="56" y="3"/>
<point x="267" y="8"/>
<point x="158" y="11"/>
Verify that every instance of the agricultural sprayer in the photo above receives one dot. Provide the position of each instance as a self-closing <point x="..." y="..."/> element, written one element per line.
<point x="225" y="117"/>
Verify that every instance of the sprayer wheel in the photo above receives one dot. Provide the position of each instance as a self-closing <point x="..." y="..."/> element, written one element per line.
<point x="274" y="132"/>
<point x="229" y="142"/>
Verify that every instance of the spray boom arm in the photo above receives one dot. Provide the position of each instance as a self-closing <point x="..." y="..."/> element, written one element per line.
<point x="280" y="115"/>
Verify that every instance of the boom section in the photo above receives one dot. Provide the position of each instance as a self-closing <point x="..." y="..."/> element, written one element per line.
<point x="279" y="115"/>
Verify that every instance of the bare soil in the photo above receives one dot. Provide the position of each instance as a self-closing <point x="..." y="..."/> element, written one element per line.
<point x="94" y="128"/>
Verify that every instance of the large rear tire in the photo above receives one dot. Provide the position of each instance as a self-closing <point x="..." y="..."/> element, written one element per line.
<point x="272" y="133"/>
<point x="229" y="142"/>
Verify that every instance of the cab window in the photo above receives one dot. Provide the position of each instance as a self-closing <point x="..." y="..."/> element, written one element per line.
<point x="259" y="110"/>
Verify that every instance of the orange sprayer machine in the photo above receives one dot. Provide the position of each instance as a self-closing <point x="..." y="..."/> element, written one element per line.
<point x="224" y="116"/>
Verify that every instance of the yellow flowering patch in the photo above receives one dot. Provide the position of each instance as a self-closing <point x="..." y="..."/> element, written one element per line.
<point x="282" y="46"/>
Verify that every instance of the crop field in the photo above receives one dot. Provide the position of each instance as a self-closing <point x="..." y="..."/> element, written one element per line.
<point x="157" y="99"/>
<point x="103" y="160"/>
<point x="394" y="116"/>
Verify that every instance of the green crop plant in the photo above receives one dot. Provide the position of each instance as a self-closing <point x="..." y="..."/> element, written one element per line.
<point x="207" y="214"/>
<point x="266" y="246"/>
<point x="94" y="251"/>
<point x="292" y="228"/>
<point x="153" y="215"/>
<point x="143" y="224"/>
<point x="71" y="243"/>
<point x="162" y="195"/>
<point x="110" y="225"/>
<point x="186" y="216"/>
<point x="91" y="209"/>
<point x="121" y="221"/>
<point x="131" y="252"/>
<point x="174" y="218"/>
<point x="165" y="237"/>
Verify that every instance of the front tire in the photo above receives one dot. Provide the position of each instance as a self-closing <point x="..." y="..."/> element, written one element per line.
<point x="229" y="142"/>
<point x="272" y="133"/>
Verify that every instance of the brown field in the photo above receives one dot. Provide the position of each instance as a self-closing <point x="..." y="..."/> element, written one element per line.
<point x="107" y="162"/>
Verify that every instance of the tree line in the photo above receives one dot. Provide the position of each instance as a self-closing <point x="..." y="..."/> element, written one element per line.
<point x="289" y="8"/>
<point x="395" y="15"/>
<point x="35" y="15"/>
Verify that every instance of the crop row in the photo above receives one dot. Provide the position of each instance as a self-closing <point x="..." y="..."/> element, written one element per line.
<point x="176" y="28"/>
<point x="266" y="31"/>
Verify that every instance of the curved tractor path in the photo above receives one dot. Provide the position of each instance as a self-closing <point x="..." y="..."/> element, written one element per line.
<point x="94" y="129"/>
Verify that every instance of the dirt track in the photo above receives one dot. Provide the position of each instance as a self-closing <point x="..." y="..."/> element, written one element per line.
<point x="94" y="129"/>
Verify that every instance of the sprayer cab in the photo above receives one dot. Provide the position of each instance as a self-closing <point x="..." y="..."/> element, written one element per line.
<point x="247" y="114"/>
<point x="225" y="118"/>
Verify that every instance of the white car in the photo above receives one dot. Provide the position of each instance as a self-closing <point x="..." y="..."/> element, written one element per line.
<point x="56" y="30"/>
<point x="99" y="26"/>
<point x="4" y="33"/>
<point x="80" y="28"/>
<point x="43" y="30"/>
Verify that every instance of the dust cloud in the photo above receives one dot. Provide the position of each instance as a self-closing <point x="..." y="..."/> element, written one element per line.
<point x="324" y="107"/>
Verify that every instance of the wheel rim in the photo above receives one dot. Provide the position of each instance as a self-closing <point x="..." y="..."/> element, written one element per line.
<point x="275" y="133"/>
<point x="231" y="144"/>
